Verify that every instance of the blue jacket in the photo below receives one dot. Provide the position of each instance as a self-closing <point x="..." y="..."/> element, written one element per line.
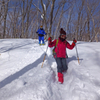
<point x="41" y="32"/>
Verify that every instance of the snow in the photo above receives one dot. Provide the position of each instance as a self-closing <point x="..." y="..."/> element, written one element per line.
<point x="22" y="78"/>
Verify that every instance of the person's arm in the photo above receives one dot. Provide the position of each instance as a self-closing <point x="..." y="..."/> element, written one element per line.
<point x="44" y="32"/>
<point x="37" y="31"/>
<point x="72" y="45"/>
<point x="51" y="43"/>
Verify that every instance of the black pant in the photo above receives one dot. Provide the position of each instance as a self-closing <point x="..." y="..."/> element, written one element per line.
<point x="61" y="64"/>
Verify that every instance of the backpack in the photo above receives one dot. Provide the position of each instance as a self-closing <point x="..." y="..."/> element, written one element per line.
<point x="53" y="51"/>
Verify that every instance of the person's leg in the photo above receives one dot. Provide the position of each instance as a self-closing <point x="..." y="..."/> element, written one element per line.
<point x="59" y="69"/>
<point x="42" y="39"/>
<point x="39" y="39"/>
<point x="64" y="64"/>
<point x="59" y="64"/>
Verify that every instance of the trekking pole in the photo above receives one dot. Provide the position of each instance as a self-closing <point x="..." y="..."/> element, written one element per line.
<point x="44" y="57"/>
<point x="77" y="54"/>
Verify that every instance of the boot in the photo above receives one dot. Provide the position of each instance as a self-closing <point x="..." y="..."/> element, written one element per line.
<point x="60" y="77"/>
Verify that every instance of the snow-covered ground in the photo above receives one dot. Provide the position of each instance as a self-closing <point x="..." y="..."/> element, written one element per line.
<point x="22" y="78"/>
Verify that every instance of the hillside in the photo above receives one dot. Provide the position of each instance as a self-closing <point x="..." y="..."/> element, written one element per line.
<point x="22" y="78"/>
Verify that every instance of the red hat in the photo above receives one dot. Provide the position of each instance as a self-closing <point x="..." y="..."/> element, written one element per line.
<point x="62" y="32"/>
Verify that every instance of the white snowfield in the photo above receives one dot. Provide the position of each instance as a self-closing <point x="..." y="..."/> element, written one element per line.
<point x="22" y="78"/>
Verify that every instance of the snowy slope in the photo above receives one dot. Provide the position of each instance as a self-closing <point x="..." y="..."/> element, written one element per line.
<point x="22" y="78"/>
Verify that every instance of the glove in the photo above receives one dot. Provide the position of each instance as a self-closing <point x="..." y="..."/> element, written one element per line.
<point x="49" y="39"/>
<point x="74" y="41"/>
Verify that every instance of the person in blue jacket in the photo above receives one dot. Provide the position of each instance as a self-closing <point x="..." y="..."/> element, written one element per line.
<point x="41" y="34"/>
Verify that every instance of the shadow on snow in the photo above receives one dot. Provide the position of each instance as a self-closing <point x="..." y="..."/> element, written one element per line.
<point x="11" y="78"/>
<point x="2" y="50"/>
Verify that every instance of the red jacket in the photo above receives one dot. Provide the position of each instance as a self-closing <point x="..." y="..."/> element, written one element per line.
<point x="61" y="47"/>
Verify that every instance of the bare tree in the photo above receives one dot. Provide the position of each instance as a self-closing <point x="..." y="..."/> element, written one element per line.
<point x="91" y="9"/>
<point x="58" y="25"/>
<point x="51" y="16"/>
<point x="5" y="9"/>
<point x="69" y="18"/>
<point x="79" y="14"/>
<point x="88" y="25"/>
<point x="21" y="18"/>
<point x="48" y="20"/>
<point x="28" y="9"/>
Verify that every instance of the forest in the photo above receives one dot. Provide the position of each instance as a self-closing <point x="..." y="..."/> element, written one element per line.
<point x="22" y="18"/>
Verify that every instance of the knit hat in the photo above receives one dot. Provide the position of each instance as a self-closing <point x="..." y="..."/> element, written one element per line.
<point x="41" y="26"/>
<point x="62" y="32"/>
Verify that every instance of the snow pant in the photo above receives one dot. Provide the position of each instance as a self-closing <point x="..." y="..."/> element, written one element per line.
<point x="61" y="64"/>
<point x="61" y="67"/>
<point x="41" y="39"/>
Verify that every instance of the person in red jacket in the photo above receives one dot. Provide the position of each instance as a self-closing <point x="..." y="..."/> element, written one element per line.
<point x="60" y="53"/>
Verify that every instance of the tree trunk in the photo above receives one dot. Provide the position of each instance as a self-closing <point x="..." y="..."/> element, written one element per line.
<point x="61" y="14"/>
<point x="5" y="17"/>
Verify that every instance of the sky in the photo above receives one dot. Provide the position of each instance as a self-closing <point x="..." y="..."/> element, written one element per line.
<point x="22" y="78"/>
